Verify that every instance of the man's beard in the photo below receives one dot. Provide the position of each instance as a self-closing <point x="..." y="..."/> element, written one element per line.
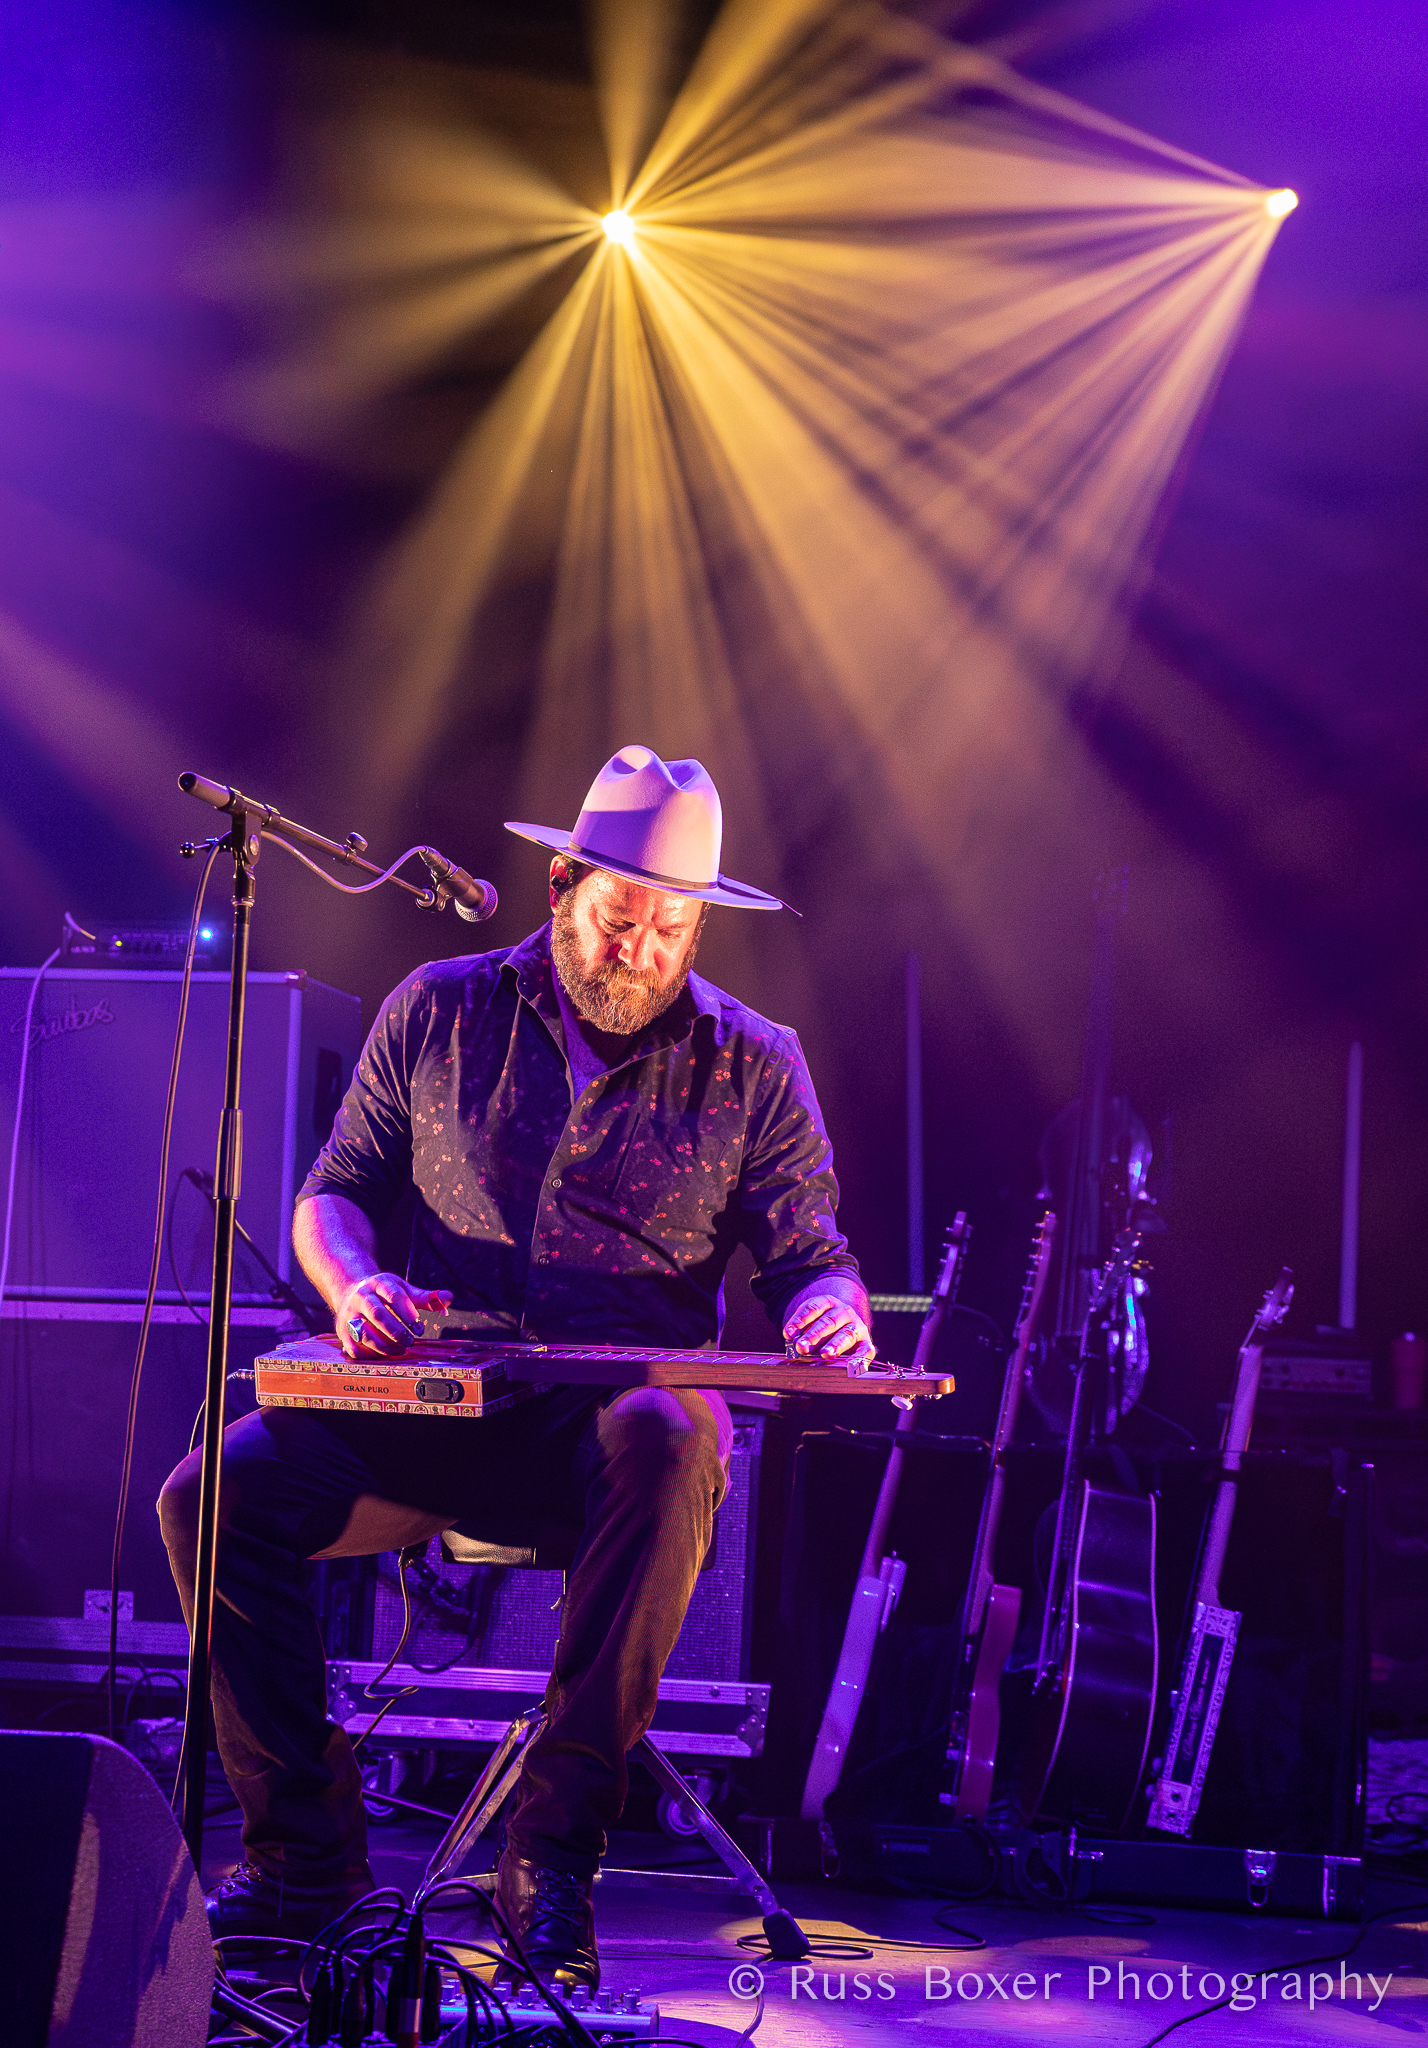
<point x="610" y="997"/>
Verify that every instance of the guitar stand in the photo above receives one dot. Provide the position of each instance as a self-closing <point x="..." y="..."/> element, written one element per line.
<point x="786" y="1939"/>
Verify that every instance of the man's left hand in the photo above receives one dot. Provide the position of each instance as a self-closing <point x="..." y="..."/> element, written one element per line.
<point x="826" y="1327"/>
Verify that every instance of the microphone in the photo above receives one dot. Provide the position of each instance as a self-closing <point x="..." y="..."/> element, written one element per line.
<point x="472" y="899"/>
<point x="218" y="794"/>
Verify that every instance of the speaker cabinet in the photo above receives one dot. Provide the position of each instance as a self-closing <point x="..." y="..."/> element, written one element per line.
<point x="64" y="1391"/>
<point x="102" y="1924"/>
<point x="100" y="1043"/>
<point x="1398" y="1614"/>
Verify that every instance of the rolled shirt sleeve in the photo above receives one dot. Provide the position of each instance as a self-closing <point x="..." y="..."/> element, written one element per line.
<point x="368" y="1158"/>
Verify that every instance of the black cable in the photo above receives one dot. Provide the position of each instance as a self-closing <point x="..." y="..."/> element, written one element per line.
<point x="369" y="1691"/>
<point x="288" y="1941"/>
<point x="328" y="1941"/>
<point x="147" y="1676"/>
<point x="387" y="1945"/>
<point x="1179" y="1427"/>
<point x="312" y="1315"/>
<point x="997" y="1341"/>
<point x="432" y="1594"/>
<point x="1299" y="1962"/>
<point x="127" y="1462"/>
<point x="374" y="1799"/>
<point x="199" y="1318"/>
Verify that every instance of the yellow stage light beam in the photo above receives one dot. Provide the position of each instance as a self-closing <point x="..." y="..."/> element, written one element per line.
<point x="989" y="563"/>
<point x="837" y="469"/>
<point x="404" y="247"/>
<point x="419" y="612"/>
<point x="1278" y="204"/>
<point x="633" y="55"/>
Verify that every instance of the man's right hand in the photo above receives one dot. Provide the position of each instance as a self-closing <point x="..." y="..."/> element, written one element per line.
<point x="380" y="1316"/>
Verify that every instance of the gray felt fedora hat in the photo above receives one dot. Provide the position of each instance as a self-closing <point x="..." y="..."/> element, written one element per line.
<point x="656" y="822"/>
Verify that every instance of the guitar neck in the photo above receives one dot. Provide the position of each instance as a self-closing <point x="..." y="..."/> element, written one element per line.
<point x="1057" y="1578"/>
<point x="1234" y="1443"/>
<point x="1238" y="1425"/>
<point x="1210" y="1630"/>
<point x="944" y="1294"/>
<point x="979" y="1579"/>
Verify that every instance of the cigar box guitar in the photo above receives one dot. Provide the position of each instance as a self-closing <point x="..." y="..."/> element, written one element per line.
<point x="468" y="1378"/>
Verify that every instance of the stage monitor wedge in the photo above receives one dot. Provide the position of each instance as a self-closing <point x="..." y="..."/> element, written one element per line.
<point x="104" y="1939"/>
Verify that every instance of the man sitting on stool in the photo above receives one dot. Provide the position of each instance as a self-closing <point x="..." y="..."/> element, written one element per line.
<point x="589" y="1131"/>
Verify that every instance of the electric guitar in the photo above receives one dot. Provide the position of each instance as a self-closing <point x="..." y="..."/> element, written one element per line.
<point x="1205" y="1668"/>
<point x="990" y="1612"/>
<point x="880" y="1577"/>
<point x="1100" y="1649"/>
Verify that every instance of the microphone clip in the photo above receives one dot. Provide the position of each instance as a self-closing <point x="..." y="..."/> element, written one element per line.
<point x="474" y="900"/>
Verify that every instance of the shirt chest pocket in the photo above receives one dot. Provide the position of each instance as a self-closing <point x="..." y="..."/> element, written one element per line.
<point x="676" y="1176"/>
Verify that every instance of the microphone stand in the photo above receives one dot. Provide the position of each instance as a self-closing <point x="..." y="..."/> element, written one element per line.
<point x="252" y="822"/>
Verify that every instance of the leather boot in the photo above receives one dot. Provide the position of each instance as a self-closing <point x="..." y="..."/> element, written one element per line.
<point x="553" y="1915"/>
<point x="249" y="1901"/>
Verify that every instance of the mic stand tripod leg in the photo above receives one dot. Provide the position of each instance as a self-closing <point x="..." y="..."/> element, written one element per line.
<point x="244" y="847"/>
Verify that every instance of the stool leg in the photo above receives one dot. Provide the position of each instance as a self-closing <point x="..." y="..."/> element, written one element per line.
<point x="483" y="1800"/>
<point x="787" y="1940"/>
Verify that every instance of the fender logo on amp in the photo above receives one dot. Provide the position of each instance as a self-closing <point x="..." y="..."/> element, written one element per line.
<point x="67" y="1021"/>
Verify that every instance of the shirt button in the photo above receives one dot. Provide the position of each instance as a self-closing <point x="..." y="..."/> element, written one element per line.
<point x="556" y="1182"/>
<point x="544" y="1259"/>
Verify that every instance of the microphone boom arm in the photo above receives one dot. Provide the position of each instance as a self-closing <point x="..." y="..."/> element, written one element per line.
<point x="475" y="900"/>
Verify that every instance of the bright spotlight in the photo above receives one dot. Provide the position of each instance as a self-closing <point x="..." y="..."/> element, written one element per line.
<point x="1276" y="204"/>
<point x="619" y="227"/>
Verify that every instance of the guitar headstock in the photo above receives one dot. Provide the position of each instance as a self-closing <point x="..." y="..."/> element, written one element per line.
<point x="1124" y="1260"/>
<point x="1037" y="1272"/>
<point x="954" y="1251"/>
<point x="1276" y="1303"/>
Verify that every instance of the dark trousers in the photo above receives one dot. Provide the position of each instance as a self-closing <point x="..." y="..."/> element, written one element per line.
<point x="634" y="1482"/>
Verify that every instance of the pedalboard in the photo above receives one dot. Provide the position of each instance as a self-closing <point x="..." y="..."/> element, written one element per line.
<point x="609" y="2016"/>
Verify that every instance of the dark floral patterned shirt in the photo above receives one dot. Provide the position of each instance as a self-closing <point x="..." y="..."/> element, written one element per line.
<point x="609" y="1219"/>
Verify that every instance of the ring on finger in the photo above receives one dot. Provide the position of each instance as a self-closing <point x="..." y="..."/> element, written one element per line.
<point x="355" y="1325"/>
